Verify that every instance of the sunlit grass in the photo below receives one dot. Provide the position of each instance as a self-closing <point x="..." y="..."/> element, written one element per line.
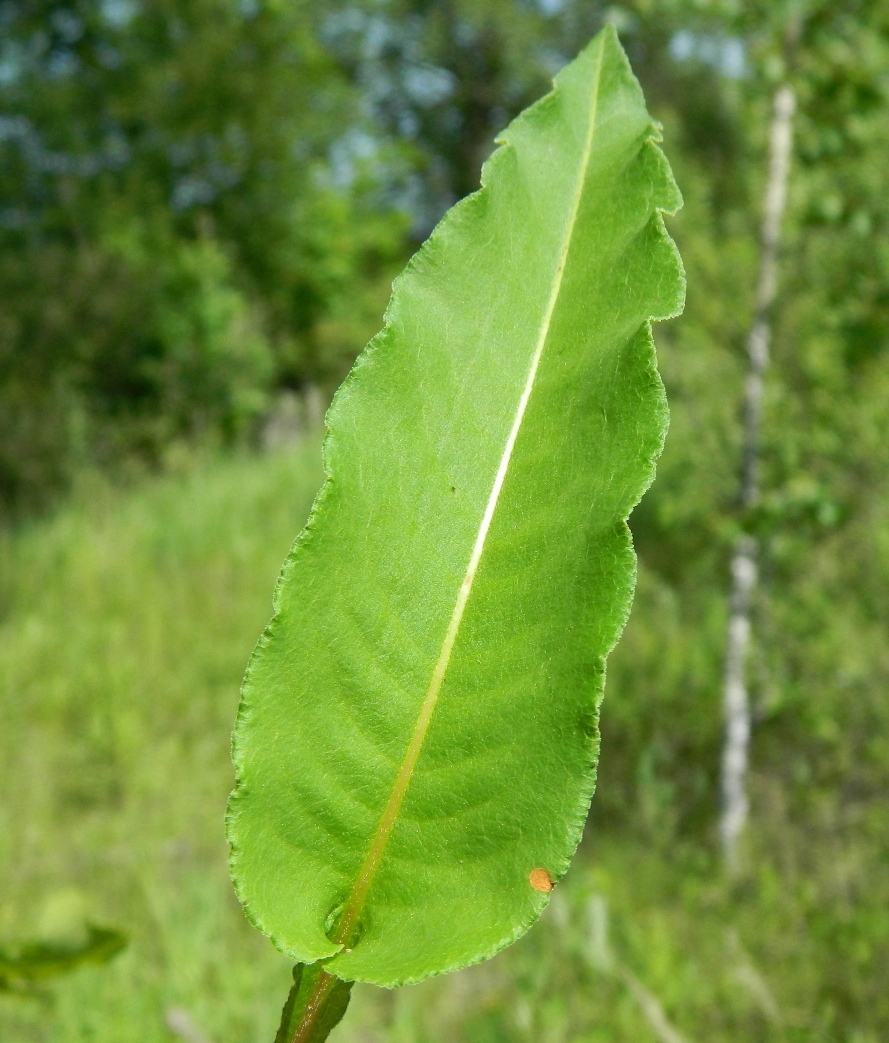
<point x="127" y="621"/>
<point x="125" y="624"/>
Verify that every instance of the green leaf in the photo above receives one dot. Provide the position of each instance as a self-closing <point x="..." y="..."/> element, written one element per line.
<point x="30" y="963"/>
<point x="417" y="739"/>
<point x="315" y="1006"/>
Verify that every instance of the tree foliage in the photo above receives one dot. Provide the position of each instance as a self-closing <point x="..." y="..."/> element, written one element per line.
<point x="170" y="234"/>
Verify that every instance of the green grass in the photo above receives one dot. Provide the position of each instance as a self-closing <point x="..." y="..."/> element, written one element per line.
<point x="125" y="624"/>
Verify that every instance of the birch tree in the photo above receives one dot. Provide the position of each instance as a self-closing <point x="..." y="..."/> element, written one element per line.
<point x="744" y="564"/>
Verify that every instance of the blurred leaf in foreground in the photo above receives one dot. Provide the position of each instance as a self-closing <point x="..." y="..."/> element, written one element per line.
<point x="29" y="964"/>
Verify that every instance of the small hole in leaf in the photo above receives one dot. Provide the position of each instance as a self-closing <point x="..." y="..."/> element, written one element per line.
<point x="540" y="880"/>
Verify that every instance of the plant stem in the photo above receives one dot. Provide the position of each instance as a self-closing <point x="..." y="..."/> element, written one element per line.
<point x="314" y="1006"/>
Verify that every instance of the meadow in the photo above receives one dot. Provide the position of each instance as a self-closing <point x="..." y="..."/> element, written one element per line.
<point x="126" y="622"/>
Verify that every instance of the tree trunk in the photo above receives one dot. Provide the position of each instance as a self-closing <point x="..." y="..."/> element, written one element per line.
<point x="745" y="557"/>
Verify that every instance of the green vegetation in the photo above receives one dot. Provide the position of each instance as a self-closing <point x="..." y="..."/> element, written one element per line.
<point x="27" y="965"/>
<point x="126" y="622"/>
<point x="155" y="307"/>
<point x="442" y="624"/>
<point x="174" y="248"/>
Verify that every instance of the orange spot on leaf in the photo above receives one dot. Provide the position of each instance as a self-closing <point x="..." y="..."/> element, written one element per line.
<point x="540" y="880"/>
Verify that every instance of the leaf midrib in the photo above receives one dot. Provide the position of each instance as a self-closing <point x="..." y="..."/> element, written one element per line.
<point x="355" y="902"/>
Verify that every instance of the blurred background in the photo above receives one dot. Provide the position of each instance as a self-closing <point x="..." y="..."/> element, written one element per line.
<point x="202" y="206"/>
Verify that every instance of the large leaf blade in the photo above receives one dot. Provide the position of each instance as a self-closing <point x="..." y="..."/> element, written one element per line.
<point x="418" y="725"/>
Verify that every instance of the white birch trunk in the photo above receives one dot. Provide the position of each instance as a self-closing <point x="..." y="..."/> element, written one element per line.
<point x="736" y="700"/>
